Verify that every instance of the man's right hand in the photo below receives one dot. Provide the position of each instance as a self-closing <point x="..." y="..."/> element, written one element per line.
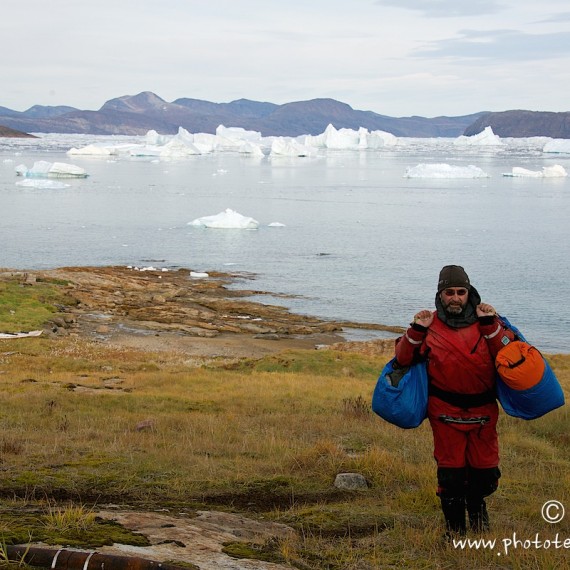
<point x="424" y="318"/>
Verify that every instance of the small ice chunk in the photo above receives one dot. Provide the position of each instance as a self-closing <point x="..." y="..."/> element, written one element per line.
<point x="41" y="183"/>
<point x="228" y="219"/>
<point x="555" y="171"/>
<point x="444" y="171"/>
<point x="45" y="169"/>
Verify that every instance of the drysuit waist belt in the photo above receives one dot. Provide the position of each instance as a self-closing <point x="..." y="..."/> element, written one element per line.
<point x="463" y="401"/>
<point x="468" y="421"/>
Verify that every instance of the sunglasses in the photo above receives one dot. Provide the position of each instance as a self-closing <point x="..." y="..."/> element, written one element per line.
<point x="452" y="292"/>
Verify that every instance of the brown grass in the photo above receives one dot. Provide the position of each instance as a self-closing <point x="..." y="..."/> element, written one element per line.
<point x="92" y="424"/>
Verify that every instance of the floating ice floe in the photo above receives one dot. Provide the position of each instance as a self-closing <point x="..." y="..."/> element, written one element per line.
<point x="42" y="183"/>
<point x="557" y="145"/>
<point x="556" y="171"/>
<point x="485" y="138"/>
<point x="228" y="219"/>
<point x="276" y="225"/>
<point x="444" y="171"/>
<point x="44" y="169"/>
<point x="90" y="150"/>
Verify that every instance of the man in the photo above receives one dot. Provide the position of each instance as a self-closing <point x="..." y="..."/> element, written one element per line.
<point x="460" y="340"/>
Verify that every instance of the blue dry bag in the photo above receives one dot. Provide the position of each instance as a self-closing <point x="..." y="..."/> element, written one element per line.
<point x="404" y="404"/>
<point x="533" y="402"/>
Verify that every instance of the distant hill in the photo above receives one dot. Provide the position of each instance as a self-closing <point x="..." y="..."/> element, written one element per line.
<point x="137" y="114"/>
<point x="523" y="124"/>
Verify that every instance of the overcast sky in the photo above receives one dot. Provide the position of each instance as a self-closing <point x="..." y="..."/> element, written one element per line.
<point x="393" y="57"/>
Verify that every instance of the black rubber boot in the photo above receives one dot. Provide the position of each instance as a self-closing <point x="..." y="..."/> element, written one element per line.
<point x="454" y="512"/>
<point x="478" y="515"/>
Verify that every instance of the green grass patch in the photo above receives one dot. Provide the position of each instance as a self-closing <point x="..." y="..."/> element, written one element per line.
<point x="317" y="362"/>
<point x="71" y="526"/>
<point x="29" y="307"/>
<point x="268" y="551"/>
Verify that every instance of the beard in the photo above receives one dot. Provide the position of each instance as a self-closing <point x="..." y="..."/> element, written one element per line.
<point x="454" y="307"/>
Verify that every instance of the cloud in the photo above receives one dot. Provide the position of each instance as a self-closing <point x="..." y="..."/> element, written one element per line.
<point x="447" y="8"/>
<point x="498" y="45"/>
<point x="556" y="18"/>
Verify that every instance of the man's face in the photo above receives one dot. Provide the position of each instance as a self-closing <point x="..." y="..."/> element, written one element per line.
<point x="454" y="299"/>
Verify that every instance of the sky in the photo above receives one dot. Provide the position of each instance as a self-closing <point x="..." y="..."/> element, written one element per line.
<point x="394" y="57"/>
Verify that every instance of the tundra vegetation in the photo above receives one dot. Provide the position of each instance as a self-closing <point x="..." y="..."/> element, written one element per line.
<point x="85" y="425"/>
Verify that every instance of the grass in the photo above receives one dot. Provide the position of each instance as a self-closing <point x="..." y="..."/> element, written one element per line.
<point x="24" y="308"/>
<point x="82" y="425"/>
<point x="268" y="439"/>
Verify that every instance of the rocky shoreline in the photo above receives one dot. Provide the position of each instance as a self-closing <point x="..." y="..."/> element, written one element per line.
<point x="154" y="309"/>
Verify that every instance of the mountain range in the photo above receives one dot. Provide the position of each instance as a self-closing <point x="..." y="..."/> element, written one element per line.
<point x="137" y="114"/>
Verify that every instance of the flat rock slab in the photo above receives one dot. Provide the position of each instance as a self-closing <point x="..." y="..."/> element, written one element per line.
<point x="197" y="540"/>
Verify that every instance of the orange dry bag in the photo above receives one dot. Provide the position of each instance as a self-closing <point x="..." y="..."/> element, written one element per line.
<point x="520" y="365"/>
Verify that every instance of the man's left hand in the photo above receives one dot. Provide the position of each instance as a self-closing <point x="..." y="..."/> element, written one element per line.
<point x="485" y="310"/>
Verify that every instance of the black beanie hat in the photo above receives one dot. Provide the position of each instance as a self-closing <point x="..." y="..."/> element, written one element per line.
<point x="452" y="276"/>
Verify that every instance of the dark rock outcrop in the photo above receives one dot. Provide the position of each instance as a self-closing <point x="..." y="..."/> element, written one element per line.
<point x="12" y="133"/>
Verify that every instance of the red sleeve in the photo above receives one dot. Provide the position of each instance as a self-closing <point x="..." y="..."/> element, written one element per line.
<point x="495" y="334"/>
<point x="409" y="345"/>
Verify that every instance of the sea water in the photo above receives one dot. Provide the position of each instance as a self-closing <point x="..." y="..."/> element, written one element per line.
<point x="355" y="240"/>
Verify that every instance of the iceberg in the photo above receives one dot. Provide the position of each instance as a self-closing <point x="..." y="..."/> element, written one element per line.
<point x="206" y="142"/>
<point x="238" y="134"/>
<point x="251" y="149"/>
<point x="485" y="138"/>
<point x="349" y="139"/>
<point x="179" y="147"/>
<point x="342" y="139"/>
<point x="444" y="171"/>
<point x="286" y="146"/>
<point x="89" y="150"/>
<point x="557" y="145"/>
<point x="152" y="138"/>
<point x="379" y="139"/>
<point x="555" y="171"/>
<point x="239" y="140"/>
<point x="233" y="138"/>
<point x="228" y="219"/>
<point x="44" y="169"/>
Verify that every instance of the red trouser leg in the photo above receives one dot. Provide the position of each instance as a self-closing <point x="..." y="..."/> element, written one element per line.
<point x="467" y="457"/>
